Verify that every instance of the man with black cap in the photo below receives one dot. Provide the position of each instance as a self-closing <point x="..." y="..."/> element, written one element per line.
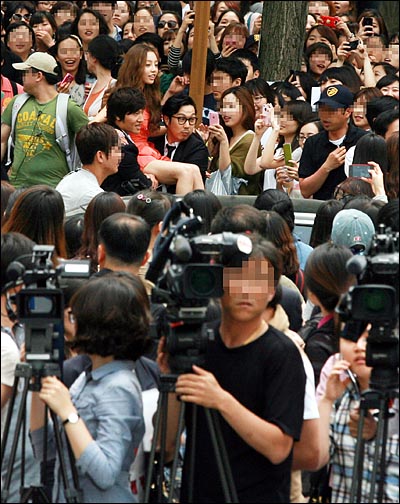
<point x="322" y="162"/>
<point x="38" y="158"/>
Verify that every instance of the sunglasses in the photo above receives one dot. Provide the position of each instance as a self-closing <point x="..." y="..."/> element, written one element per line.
<point x="20" y="17"/>
<point x="170" y="24"/>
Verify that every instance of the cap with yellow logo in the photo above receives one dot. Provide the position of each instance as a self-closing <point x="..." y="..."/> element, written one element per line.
<point x="336" y="97"/>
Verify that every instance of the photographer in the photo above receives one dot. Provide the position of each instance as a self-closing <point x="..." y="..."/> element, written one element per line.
<point x="101" y="414"/>
<point x="338" y="399"/>
<point x="254" y="377"/>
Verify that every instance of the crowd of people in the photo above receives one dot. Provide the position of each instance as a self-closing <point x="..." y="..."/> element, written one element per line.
<point x="99" y="138"/>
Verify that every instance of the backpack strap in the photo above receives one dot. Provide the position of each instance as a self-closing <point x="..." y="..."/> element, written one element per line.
<point x="19" y="101"/>
<point x="14" y="87"/>
<point x="62" y="136"/>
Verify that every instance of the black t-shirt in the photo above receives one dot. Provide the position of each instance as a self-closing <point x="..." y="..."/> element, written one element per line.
<point x="266" y="376"/>
<point x="316" y="150"/>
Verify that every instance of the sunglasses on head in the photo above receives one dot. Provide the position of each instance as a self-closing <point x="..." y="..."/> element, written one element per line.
<point x="170" y="24"/>
<point x="20" y="17"/>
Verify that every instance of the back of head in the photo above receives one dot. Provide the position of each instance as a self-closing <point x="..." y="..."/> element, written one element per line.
<point x="273" y="199"/>
<point x="346" y="74"/>
<point x="239" y="219"/>
<point x="125" y="238"/>
<point x="367" y="205"/>
<point x="205" y="204"/>
<point x="325" y="273"/>
<point x="73" y="229"/>
<point x="384" y="120"/>
<point x="322" y="227"/>
<point x="353" y="229"/>
<point x="94" y="137"/>
<point x="235" y="68"/>
<point x="13" y="247"/>
<point x="371" y="147"/>
<point x="378" y="105"/>
<point x="107" y="51"/>
<point x="150" y="205"/>
<point x="389" y="215"/>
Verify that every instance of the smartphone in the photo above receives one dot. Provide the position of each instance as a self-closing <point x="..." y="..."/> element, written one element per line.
<point x="368" y="21"/>
<point x="213" y="118"/>
<point x="266" y="113"/>
<point x="67" y="79"/>
<point x="287" y="152"/>
<point x="354" y="44"/>
<point x="359" y="170"/>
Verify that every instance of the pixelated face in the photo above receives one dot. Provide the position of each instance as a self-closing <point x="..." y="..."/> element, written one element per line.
<point x="391" y="54"/>
<point x="114" y="158"/>
<point x="20" y="40"/>
<point x="63" y="16"/>
<point x="234" y="40"/>
<point x="69" y="55"/>
<point x="288" y="125"/>
<point x="88" y="27"/>
<point x="181" y="125"/>
<point x="143" y="22"/>
<point x="248" y="290"/>
<point x="121" y="14"/>
<point x="318" y="62"/>
<point x="259" y="100"/>
<point x="105" y="9"/>
<point x="359" y="111"/>
<point x="150" y="71"/>
<point x="219" y="82"/>
<point x="315" y="7"/>
<point x="307" y="131"/>
<point x="333" y="119"/>
<point x="231" y="110"/>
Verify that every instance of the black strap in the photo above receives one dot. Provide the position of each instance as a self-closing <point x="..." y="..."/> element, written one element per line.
<point x="14" y="87"/>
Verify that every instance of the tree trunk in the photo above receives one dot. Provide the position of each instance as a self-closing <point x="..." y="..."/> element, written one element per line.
<point x="283" y="33"/>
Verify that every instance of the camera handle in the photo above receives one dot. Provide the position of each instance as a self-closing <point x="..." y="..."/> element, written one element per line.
<point x="372" y="399"/>
<point x="36" y="493"/>
<point x="167" y="385"/>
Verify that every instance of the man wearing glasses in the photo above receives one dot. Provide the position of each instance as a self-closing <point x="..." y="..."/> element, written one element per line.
<point x="181" y="142"/>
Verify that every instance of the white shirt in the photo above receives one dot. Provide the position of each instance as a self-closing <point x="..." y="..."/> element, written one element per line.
<point x="9" y="359"/>
<point x="77" y="190"/>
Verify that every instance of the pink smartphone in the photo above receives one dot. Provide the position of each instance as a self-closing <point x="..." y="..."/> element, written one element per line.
<point x="266" y="113"/>
<point x="67" y="79"/>
<point x="213" y="118"/>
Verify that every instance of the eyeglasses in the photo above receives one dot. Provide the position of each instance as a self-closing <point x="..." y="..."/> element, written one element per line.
<point x="304" y="137"/>
<point x="182" y="120"/>
<point x="20" y="17"/>
<point x="170" y="24"/>
<point x="258" y="98"/>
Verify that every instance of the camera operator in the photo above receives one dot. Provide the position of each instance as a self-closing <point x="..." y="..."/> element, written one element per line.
<point x="254" y="377"/>
<point x="338" y="398"/>
<point x="13" y="246"/>
<point x="102" y="412"/>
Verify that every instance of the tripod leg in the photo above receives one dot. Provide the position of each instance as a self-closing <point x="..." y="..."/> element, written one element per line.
<point x="378" y="445"/>
<point x="192" y="452"/>
<point x="356" y="483"/>
<point x="8" y="418"/>
<point x="157" y="424"/>
<point x="20" y="416"/>
<point x="163" y="442"/>
<point x="383" y="455"/>
<point x="176" y="451"/>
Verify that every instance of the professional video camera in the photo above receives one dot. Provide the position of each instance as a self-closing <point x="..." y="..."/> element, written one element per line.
<point x="375" y="300"/>
<point x="40" y="303"/>
<point x="187" y="270"/>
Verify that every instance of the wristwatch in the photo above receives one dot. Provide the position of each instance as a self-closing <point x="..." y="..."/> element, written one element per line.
<point x="72" y="418"/>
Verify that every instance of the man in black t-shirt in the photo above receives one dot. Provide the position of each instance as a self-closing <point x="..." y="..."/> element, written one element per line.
<point x="254" y="377"/>
<point x="322" y="161"/>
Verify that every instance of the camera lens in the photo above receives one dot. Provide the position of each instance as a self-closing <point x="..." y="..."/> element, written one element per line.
<point x="202" y="281"/>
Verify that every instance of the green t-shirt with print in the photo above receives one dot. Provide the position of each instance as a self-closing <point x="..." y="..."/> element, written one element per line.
<point x="37" y="157"/>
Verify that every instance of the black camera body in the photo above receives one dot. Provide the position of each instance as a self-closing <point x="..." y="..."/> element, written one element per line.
<point x="375" y="300"/>
<point x="187" y="270"/>
<point x="40" y="304"/>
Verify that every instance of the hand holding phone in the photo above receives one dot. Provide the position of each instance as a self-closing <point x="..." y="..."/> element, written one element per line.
<point x="359" y="170"/>
<point x="354" y="44"/>
<point x="266" y="114"/>
<point x="68" y="78"/>
<point x="213" y="118"/>
<point x="330" y="21"/>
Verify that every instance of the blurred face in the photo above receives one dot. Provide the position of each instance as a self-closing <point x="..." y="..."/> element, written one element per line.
<point x="288" y="125"/>
<point x="219" y="82"/>
<point x="228" y="18"/>
<point x="132" y="122"/>
<point x="69" y="55"/>
<point x="20" y="41"/>
<point x="114" y="159"/>
<point x="150" y="70"/>
<point x="358" y="115"/>
<point x="231" y="110"/>
<point x="259" y="100"/>
<point x="234" y="40"/>
<point x="318" y="8"/>
<point x="307" y="131"/>
<point x="29" y="80"/>
<point x="88" y="27"/>
<point x="143" y="22"/>
<point x="128" y="31"/>
<point x="375" y="49"/>
<point x="121" y="14"/>
<point x="391" y="90"/>
<point x="391" y="55"/>
<point x="318" y="63"/>
<point x="177" y="132"/>
<point x="190" y="39"/>
<point x="167" y="22"/>
<point x="44" y="6"/>
<point x="333" y="119"/>
<point x="247" y="290"/>
<point x="315" y="37"/>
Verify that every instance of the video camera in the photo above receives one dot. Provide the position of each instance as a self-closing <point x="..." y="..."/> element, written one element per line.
<point x="187" y="270"/>
<point x="375" y="300"/>
<point x="40" y="303"/>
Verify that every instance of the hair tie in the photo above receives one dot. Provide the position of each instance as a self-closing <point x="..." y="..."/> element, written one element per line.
<point x="142" y="197"/>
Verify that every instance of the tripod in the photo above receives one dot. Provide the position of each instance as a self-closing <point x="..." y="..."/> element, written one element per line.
<point x="377" y="399"/>
<point x="34" y="493"/>
<point x="167" y="385"/>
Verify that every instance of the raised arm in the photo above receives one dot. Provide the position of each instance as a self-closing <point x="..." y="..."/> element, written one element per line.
<point x="5" y="134"/>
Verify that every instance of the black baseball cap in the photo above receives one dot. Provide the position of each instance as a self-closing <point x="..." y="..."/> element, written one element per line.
<point x="336" y="97"/>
